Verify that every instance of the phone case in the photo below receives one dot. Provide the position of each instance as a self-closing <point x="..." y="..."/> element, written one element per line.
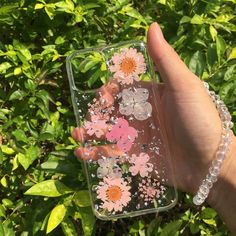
<point x="115" y="99"/>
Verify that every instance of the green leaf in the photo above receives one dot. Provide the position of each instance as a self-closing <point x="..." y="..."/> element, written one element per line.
<point x="8" y="228"/>
<point x="30" y="155"/>
<point x="87" y="64"/>
<point x="197" y="63"/>
<point x="185" y="19"/>
<point x="3" y="181"/>
<point x="1" y="229"/>
<point x="22" y="49"/>
<point x="136" y="227"/>
<point x="230" y="73"/>
<point x="2" y="212"/>
<point x="48" y="188"/>
<point x="50" y="10"/>
<point x="18" y="94"/>
<point x="30" y="85"/>
<point x="210" y="221"/>
<point x="220" y="47"/>
<point x="211" y="55"/>
<point x="213" y="32"/>
<point x="197" y="20"/>
<point x="94" y="78"/>
<point x="38" y="6"/>
<point x="4" y="67"/>
<point x="232" y="54"/>
<point x="194" y="227"/>
<point x="2" y="116"/>
<point x="68" y="227"/>
<point x="88" y="220"/>
<point x="208" y="213"/>
<point x="225" y="17"/>
<point x="56" y="217"/>
<point x="171" y="229"/>
<point x="7" y="203"/>
<point x="82" y="198"/>
<point x="59" y="40"/>
<point x="17" y="71"/>
<point x="20" y="135"/>
<point x="7" y="150"/>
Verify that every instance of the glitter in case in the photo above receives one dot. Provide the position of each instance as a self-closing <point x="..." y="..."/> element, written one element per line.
<point x="124" y="148"/>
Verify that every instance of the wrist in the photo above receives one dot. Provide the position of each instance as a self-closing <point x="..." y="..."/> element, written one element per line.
<point x="223" y="193"/>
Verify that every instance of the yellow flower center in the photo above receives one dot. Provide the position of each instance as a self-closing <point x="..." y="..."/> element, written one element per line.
<point x="114" y="193"/>
<point x="128" y="65"/>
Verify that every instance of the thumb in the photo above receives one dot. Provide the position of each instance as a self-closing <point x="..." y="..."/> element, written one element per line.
<point x="171" y="68"/>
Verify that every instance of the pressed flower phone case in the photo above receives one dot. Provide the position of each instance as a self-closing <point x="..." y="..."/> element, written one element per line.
<point x="115" y="98"/>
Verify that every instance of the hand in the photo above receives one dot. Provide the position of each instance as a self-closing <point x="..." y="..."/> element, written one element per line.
<point x="191" y="122"/>
<point x="194" y="129"/>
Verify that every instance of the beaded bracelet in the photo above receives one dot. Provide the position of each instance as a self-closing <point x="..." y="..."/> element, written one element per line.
<point x="214" y="169"/>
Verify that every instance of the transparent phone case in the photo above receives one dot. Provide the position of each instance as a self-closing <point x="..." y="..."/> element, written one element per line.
<point x="115" y="99"/>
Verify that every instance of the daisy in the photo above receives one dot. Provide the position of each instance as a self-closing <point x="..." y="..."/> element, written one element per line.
<point x="127" y="65"/>
<point x="114" y="193"/>
<point x="108" y="168"/>
<point x="139" y="164"/>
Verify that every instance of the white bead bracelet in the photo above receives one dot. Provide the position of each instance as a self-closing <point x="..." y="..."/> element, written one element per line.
<point x="214" y="169"/>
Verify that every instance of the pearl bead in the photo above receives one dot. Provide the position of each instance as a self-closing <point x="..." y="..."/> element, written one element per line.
<point x="217" y="163"/>
<point x="214" y="170"/>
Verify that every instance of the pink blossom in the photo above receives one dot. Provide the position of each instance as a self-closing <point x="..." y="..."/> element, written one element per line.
<point x="140" y="164"/>
<point x="123" y="134"/>
<point x="96" y="127"/>
<point x="127" y="65"/>
<point x="100" y="110"/>
<point x="150" y="189"/>
<point x="114" y="193"/>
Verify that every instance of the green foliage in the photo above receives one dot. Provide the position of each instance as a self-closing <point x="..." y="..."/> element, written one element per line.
<point x="43" y="188"/>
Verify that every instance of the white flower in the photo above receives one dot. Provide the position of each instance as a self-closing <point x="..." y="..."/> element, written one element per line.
<point x="108" y="168"/>
<point x="135" y="103"/>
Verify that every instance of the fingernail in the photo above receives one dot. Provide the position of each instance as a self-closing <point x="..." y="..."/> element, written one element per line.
<point x="158" y="30"/>
<point x="77" y="134"/>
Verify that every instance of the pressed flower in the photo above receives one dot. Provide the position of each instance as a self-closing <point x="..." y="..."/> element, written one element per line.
<point x="96" y="127"/>
<point x="114" y="194"/>
<point x="134" y="102"/>
<point x="99" y="110"/>
<point x="150" y="189"/>
<point x="127" y="65"/>
<point x="108" y="167"/>
<point x="123" y="134"/>
<point x="139" y="164"/>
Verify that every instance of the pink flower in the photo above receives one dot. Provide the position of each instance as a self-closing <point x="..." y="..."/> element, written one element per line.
<point x="114" y="193"/>
<point x="100" y="110"/>
<point x="123" y="134"/>
<point x="96" y="127"/>
<point x="140" y="164"/>
<point x="150" y="189"/>
<point x="127" y="65"/>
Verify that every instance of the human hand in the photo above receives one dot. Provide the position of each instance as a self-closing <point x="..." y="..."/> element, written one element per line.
<point x="187" y="113"/>
<point x="194" y="129"/>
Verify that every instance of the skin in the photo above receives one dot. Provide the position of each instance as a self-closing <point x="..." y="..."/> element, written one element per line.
<point x="192" y="125"/>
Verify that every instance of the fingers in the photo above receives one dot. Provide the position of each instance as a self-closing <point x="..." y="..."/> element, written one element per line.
<point x="108" y="92"/>
<point x="171" y="68"/>
<point x="97" y="152"/>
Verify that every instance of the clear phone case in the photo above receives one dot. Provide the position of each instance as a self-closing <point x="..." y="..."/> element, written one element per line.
<point x="115" y="99"/>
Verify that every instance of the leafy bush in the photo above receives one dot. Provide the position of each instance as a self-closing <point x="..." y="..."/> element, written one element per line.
<point x="43" y="188"/>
